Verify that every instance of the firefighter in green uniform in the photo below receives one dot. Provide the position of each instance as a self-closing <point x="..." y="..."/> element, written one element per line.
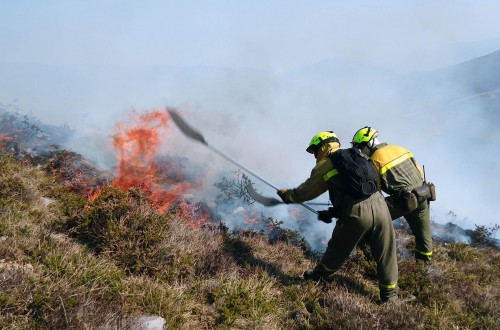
<point x="399" y="174"/>
<point x="358" y="218"/>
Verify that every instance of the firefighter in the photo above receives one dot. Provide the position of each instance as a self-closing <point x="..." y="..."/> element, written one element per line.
<point x="358" y="218"/>
<point x="399" y="174"/>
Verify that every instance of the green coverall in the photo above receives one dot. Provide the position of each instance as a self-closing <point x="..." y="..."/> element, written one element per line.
<point x="358" y="219"/>
<point x="398" y="171"/>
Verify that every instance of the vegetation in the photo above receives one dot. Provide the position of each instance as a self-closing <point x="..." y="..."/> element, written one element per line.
<point x="72" y="262"/>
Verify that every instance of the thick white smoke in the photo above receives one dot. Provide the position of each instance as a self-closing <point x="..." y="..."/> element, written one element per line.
<point x="265" y="121"/>
<point x="259" y="88"/>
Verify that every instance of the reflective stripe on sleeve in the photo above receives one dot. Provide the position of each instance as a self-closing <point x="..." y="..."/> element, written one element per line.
<point x="395" y="162"/>
<point x="328" y="175"/>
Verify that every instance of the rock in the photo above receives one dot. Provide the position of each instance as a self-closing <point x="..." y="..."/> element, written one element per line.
<point x="152" y="322"/>
<point x="46" y="201"/>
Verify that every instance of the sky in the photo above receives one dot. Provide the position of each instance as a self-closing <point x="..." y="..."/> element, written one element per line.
<point x="256" y="120"/>
<point x="276" y="35"/>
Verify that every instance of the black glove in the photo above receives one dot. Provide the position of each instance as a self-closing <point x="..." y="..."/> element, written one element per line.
<point x="282" y="193"/>
<point x="326" y="215"/>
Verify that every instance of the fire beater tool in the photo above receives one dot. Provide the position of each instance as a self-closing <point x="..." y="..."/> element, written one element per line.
<point x="197" y="136"/>
<point x="270" y="201"/>
<point x="264" y="200"/>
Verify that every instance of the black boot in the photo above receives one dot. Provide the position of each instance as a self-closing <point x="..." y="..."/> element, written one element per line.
<point x="316" y="274"/>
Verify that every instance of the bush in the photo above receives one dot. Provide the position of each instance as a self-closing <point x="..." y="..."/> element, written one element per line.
<point x="483" y="236"/>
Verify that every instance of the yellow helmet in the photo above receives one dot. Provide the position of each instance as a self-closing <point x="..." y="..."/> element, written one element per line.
<point x="319" y="139"/>
<point x="364" y="135"/>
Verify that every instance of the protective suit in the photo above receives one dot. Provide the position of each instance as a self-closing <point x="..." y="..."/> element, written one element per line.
<point x="402" y="179"/>
<point x="400" y="173"/>
<point x="358" y="218"/>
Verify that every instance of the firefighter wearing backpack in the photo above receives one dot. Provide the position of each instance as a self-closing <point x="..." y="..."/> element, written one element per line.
<point x="359" y="218"/>
<point x="399" y="175"/>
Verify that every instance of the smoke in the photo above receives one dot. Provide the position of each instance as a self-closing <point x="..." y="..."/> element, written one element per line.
<point x="465" y="143"/>
<point x="264" y="121"/>
<point x="448" y="129"/>
<point x="259" y="91"/>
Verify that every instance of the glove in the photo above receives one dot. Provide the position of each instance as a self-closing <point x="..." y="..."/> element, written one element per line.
<point x="326" y="215"/>
<point x="282" y="193"/>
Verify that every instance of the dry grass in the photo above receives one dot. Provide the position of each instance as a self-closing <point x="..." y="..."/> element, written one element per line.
<point x="74" y="265"/>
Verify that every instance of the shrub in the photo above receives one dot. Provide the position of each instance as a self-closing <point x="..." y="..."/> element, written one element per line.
<point x="483" y="236"/>
<point x="243" y="301"/>
<point x="461" y="252"/>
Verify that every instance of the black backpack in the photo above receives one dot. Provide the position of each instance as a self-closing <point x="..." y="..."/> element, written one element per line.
<point x="357" y="170"/>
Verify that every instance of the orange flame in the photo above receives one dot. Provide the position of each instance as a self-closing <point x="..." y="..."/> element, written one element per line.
<point x="137" y="147"/>
<point x="93" y="194"/>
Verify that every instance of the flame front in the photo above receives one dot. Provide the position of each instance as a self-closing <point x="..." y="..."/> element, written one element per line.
<point x="137" y="147"/>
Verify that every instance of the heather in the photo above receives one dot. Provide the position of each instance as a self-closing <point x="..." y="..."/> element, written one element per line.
<point x="72" y="261"/>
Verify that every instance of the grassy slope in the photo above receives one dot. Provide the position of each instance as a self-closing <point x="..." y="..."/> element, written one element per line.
<point x="74" y="265"/>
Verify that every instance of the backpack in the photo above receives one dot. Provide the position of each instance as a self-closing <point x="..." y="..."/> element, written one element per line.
<point x="357" y="170"/>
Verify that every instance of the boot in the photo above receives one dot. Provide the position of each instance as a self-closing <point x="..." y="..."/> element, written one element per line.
<point x="399" y="299"/>
<point x="316" y="274"/>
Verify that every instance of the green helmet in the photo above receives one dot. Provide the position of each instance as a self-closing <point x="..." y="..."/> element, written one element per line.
<point x="364" y="135"/>
<point x="319" y="139"/>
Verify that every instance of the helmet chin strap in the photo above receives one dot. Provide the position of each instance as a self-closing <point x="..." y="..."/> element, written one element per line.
<point x="367" y="149"/>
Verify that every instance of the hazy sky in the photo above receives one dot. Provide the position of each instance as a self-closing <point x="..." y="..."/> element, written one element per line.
<point x="276" y="35"/>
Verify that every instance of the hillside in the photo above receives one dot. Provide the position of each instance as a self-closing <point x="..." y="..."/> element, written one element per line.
<point x="78" y="252"/>
<point x="476" y="77"/>
<point x="479" y="74"/>
<point x="71" y="92"/>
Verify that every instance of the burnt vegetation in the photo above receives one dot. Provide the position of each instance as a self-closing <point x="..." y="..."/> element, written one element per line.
<point x="68" y="261"/>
